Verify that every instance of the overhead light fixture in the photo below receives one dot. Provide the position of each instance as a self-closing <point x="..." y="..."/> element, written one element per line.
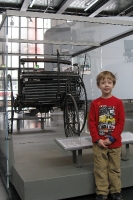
<point x="11" y="22"/>
<point x="29" y="19"/>
<point x="90" y="4"/>
<point x="31" y="3"/>
<point x="71" y="22"/>
<point x="50" y="5"/>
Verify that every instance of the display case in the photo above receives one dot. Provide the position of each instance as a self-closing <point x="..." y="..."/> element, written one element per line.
<point x="96" y="43"/>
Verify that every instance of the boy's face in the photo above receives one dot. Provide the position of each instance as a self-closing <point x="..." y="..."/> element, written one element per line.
<point x="106" y="85"/>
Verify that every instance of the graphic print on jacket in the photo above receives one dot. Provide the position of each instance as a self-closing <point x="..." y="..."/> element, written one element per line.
<point x="106" y="120"/>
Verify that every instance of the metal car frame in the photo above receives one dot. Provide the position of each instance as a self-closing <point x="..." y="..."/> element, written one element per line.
<point x="47" y="89"/>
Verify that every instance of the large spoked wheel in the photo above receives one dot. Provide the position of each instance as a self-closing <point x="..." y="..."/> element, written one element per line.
<point x="71" y="117"/>
<point x="10" y="101"/>
<point x="81" y="100"/>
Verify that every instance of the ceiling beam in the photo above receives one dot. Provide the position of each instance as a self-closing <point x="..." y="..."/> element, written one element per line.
<point x="25" y="5"/>
<point x="64" y="6"/>
<point x="101" y="9"/>
<point x="127" y="12"/>
<point x="100" y="20"/>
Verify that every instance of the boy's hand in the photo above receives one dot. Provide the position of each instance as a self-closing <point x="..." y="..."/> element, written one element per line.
<point x="107" y="142"/>
<point x="102" y="144"/>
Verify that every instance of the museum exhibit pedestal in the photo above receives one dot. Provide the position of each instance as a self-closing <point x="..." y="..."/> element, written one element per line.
<point x="43" y="170"/>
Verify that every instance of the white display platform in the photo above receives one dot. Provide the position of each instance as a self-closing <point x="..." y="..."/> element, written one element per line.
<point x="127" y="137"/>
<point x="72" y="143"/>
<point x="78" y="143"/>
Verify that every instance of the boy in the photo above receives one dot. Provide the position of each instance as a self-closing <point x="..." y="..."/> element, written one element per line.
<point x="106" y="122"/>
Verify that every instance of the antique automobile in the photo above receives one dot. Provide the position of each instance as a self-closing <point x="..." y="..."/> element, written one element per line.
<point x="44" y="90"/>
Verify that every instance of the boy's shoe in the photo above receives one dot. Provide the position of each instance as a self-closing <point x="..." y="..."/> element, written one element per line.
<point x="116" y="196"/>
<point x="101" y="197"/>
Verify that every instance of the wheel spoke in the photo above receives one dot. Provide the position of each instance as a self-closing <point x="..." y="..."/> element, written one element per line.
<point x="71" y="118"/>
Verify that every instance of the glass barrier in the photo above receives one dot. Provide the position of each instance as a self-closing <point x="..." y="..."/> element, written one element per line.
<point x="4" y="97"/>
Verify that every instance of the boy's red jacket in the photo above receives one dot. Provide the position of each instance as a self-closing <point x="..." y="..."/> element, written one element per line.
<point x="106" y="118"/>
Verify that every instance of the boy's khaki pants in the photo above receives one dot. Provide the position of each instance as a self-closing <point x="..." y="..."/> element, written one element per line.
<point x="107" y="170"/>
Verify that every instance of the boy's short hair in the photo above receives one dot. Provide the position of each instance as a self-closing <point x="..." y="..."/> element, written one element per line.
<point x="106" y="74"/>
